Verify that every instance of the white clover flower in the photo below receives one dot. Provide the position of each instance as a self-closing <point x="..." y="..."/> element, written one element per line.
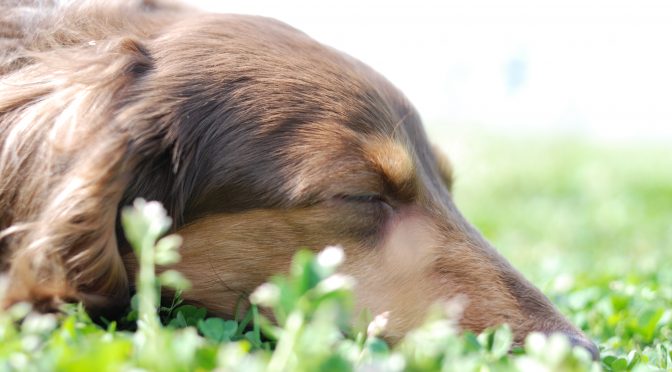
<point x="266" y="294"/>
<point x="336" y="282"/>
<point x="535" y="343"/>
<point x="331" y="257"/>
<point x="378" y="324"/>
<point x="154" y="212"/>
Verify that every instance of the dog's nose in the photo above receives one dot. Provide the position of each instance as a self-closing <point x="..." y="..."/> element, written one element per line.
<point x="582" y="341"/>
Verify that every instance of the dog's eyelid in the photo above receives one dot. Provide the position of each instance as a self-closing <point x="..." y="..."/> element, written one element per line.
<point x="368" y="198"/>
<point x="352" y="195"/>
<point x="365" y="198"/>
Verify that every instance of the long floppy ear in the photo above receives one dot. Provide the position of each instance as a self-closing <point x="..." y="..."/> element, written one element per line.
<point x="65" y="161"/>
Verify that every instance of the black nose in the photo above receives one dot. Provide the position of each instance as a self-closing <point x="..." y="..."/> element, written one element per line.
<point x="582" y="341"/>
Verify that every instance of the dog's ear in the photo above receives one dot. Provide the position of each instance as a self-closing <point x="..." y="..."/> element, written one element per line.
<point x="65" y="161"/>
<point x="444" y="166"/>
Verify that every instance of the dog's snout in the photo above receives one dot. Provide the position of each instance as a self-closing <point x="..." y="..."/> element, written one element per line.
<point x="582" y="341"/>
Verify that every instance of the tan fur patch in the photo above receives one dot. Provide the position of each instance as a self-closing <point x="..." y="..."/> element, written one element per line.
<point x="395" y="164"/>
<point x="227" y="256"/>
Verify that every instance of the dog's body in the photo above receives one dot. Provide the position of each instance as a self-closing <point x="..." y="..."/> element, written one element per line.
<point x="257" y="139"/>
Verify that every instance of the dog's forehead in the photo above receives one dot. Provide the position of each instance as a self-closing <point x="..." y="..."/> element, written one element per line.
<point x="284" y="119"/>
<point x="276" y="74"/>
<point x="327" y="163"/>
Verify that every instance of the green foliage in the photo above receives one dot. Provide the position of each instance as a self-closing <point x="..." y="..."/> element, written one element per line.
<point x="624" y="305"/>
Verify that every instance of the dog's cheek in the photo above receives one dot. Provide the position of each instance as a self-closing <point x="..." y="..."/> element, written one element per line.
<point x="226" y="256"/>
<point x="392" y="276"/>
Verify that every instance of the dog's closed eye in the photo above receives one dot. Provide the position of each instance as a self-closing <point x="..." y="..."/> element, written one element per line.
<point x="366" y="203"/>
<point x="378" y="204"/>
<point x="365" y="198"/>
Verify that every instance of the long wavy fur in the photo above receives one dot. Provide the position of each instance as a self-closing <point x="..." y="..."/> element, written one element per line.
<point x="65" y="153"/>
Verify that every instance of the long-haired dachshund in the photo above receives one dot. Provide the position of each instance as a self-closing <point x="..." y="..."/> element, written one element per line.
<point x="257" y="139"/>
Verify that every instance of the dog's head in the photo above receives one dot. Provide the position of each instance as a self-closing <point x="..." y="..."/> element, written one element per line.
<point x="259" y="141"/>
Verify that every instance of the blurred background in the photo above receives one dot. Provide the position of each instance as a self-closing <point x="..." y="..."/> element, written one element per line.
<point x="558" y="118"/>
<point x="599" y="68"/>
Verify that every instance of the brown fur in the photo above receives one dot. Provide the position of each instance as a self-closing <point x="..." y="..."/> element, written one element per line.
<point x="257" y="139"/>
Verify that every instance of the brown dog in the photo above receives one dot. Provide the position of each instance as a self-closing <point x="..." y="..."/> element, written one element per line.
<point x="257" y="139"/>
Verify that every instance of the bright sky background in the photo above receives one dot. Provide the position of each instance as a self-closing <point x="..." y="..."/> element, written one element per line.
<point x="597" y="68"/>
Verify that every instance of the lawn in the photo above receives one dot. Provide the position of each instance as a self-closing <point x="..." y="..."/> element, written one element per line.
<point x="590" y="224"/>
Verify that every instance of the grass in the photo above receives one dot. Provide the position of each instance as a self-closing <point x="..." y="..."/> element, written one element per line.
<point x="588" y="223"/>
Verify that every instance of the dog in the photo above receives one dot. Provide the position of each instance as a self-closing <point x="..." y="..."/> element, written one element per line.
<point x="257" y="140"/>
